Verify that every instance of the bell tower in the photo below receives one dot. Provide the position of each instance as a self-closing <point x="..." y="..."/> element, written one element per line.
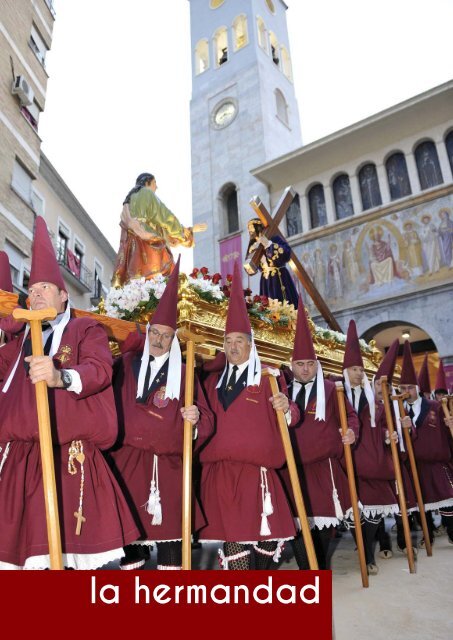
<point x="243" y="113"/>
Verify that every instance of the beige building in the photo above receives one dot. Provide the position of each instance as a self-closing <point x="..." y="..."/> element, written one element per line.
<point x="29" y="185"/>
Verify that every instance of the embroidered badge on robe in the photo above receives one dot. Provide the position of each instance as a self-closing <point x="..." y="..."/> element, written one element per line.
<point x="159" y="399"/>
<point x="64" y="353"/>
<point x="253" y="388"/>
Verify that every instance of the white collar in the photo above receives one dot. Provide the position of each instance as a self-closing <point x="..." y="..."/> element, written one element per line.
<point x="310" y="382"/>
<point x="159" y="361"/>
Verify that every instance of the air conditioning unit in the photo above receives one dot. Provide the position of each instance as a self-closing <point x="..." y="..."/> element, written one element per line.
<point x="22" y="89"/>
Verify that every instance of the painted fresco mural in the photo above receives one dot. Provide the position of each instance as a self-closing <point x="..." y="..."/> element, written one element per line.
<point x="405" y="251"/>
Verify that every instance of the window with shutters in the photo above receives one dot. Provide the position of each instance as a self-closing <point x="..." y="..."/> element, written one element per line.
<point x="22" y="181"/>
<point x="37" y="45"/>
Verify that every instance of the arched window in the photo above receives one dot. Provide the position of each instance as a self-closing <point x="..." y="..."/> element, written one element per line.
<point x="221" y="46"/>
<point x="275" y="49"/>
<point x="397" y="176"/>
<point x="282" y="106"/>
<point x="230" y="207"/>
<point x="262" y="34"/>
<point x="286" y="63"/>
<point x="428" y="166"/>
<point x="240" y="32"/>
<point x="342" y="196"/>
<point x="201" y="56"/>
<point x="317" y="206"/>
<point x="294" y="218"/>
<point x="369" y="187"/>
<point x="449" y="147"/>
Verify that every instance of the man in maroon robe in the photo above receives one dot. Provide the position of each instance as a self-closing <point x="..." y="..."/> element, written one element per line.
<point x="372" y="459"/>
<point x="318" y="445"/>
<point x="432" y="443"/>
<point x="95" y="521"/>
<point x="151" y="419"/>
<point x="241" y="494"/>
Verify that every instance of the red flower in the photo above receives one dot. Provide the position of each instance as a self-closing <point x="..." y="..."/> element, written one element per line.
<point x="206" y="277"/>
<point x="264" y="301"/>
<point x="247" y="292"/>
<point x="257" y="298"/>
<point x="204" y="270"/>
<point x="229" y="278"/>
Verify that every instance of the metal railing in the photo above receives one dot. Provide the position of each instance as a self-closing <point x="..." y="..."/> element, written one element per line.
<point x="82" y="273"/>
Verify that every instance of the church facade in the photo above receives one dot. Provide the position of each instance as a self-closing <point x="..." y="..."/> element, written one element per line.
<point x="373" y="220"/>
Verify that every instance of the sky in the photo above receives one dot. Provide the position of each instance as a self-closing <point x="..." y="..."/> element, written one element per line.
<point x="120" y="85"/>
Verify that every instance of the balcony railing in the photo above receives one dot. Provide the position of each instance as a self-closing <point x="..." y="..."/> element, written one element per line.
<point x="79" y="275"/>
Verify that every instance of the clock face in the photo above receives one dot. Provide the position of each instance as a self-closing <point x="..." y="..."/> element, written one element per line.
<point x="224" y="114"/>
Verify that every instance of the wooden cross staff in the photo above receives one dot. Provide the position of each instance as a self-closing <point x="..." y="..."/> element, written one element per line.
<point x="272" y="223"/>
<point x="294" y="477"/>
<point x="190" y="340"/>
<point x="399" y="477"/>
<point x="415" y="478"/>
<point x="35" y="318"/>
<point x="352" y="485"/>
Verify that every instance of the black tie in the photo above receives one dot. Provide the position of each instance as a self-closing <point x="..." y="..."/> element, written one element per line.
<point x="300" y="398"/>
<point x="353" y="397"/>
<point x="47" y="345"/>
<point x="147" y="377"/>
<point x="411" y="412"/>
<point x="232" y="381"/>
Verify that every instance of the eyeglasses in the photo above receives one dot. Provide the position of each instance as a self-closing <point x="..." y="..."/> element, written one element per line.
<point x="164" y="336"/>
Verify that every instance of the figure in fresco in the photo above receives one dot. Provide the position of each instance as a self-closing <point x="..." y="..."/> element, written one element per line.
<point x="413" y="247"/>
<point x="320" y="273"/>
<point x="446" y="238"/>
<point x="307" y="264"/>
<point x="334" y="281"/>
<point x="383" y="267"/>
<point x="431" y="246"/>
<point x="148" y="230"/>
<point x="350" y="266"/>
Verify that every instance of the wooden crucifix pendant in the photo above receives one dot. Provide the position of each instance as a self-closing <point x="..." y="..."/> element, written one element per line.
<point x="80" y="520"/>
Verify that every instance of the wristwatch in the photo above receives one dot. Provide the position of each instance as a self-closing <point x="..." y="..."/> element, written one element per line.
<point x="66" y="378"/>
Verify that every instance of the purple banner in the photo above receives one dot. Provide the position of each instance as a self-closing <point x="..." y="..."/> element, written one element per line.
<point x="230" y="251"/>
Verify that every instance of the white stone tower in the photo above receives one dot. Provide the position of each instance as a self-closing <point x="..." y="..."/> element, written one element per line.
<point x="243" y="112"/>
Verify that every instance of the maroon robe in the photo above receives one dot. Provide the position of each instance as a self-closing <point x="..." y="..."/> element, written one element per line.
<point x="149" y="428"/>
<point x="374" y="468"/>
<point x="409" y="490"/>
<point x="247" y="437"/>
<point x="90" y="417"/>
<point x="317" y="445"/>
<point x="431" y="440"/>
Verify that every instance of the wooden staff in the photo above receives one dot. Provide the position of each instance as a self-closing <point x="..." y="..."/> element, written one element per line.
<point x="35" y="318"/>
<point x="445" y="403"/>
<point x="399" y="478"/>
<point x="190" y="339"/>
<point x="418" y="491"/>
<point x="294" y="477"/>
<point x="352" y="485"/>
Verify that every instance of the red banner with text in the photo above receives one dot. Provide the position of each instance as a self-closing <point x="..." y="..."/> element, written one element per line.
<point x="197" y="603"/>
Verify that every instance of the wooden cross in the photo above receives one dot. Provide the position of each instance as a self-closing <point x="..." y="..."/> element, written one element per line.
<point x="80" y="520"/>
<point x="271" y="224"/>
